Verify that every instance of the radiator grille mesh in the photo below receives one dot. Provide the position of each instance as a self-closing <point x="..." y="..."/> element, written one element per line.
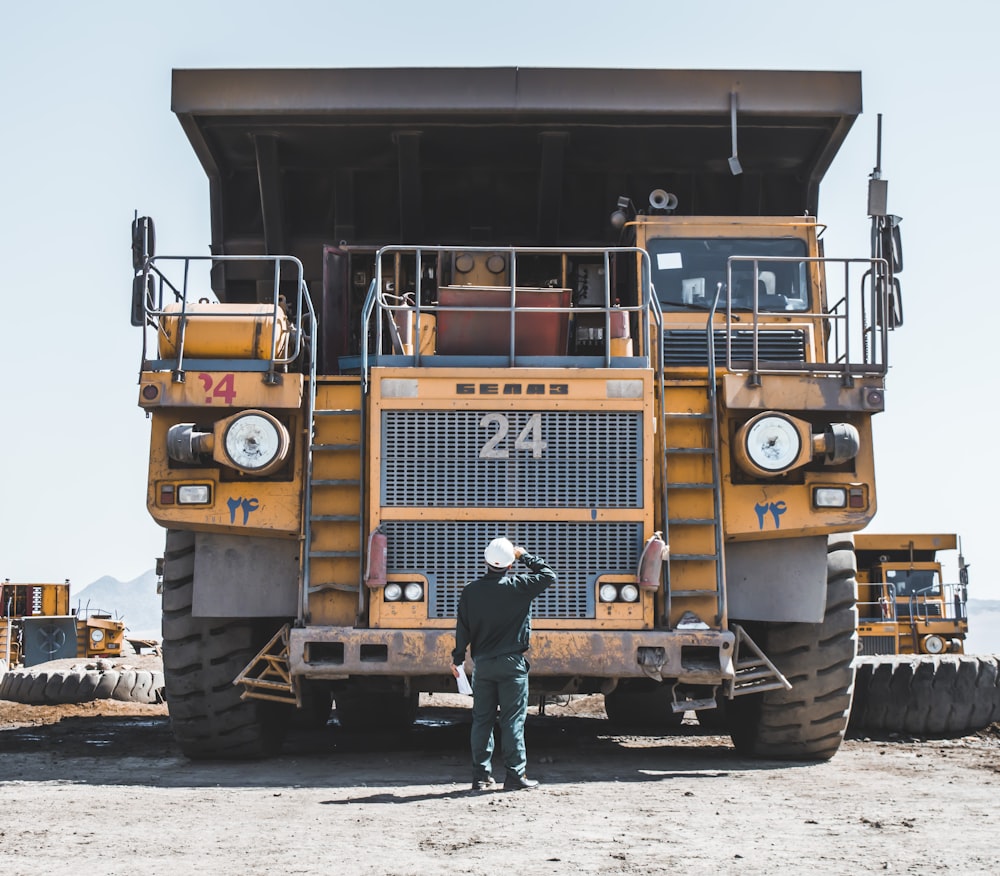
<point x="689" y="347"/>
<point x="450" y="554"/>
<point x="592" y="459"/>
<point x="870" y="646"/>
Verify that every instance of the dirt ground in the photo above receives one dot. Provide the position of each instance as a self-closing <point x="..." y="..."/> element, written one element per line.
<point x="100" y="788"/>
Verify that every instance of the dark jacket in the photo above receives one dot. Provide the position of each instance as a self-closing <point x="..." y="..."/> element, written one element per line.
<point x="494" y="611"/>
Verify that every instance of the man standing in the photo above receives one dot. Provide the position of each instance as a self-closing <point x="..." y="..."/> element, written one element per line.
<point x="494" y="618"/>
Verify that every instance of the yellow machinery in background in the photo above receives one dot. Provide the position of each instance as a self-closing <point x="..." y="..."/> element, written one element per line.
<point x="905" y="606"/>
<point x="37" y="625"/>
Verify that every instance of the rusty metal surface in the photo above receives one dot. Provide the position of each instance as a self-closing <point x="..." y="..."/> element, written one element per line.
<point x="474" y="331"/>
<point x="553" y="652"/>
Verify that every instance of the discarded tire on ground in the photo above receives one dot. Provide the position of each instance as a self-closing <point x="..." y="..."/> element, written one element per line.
<point x="944" y="695"/>
<point x="56" y="687"/>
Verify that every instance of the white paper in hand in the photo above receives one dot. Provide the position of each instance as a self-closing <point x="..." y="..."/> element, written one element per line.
<point x="463" y="682"/>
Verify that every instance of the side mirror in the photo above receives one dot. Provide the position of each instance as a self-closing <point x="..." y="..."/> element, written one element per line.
<point x="896" y="244"/>
<point x="143" y="297"/>
<point x="895" y="305"/>
<point x="887" y="242"/>
<point x="143" y="242"/>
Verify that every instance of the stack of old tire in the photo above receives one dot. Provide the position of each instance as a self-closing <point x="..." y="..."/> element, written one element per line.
<point x="100" y="680"/>
<point x="923" y="695"/>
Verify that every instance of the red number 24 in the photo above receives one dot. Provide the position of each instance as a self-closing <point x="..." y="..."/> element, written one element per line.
<point x="224" y="389"/>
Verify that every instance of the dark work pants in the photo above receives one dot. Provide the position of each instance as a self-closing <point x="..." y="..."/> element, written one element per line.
<point x="499" y="682"/>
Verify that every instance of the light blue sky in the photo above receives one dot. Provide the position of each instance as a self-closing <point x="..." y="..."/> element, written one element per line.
<point x="88" y="137"/>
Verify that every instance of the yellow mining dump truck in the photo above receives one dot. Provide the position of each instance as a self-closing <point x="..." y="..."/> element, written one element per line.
<point x="913" y="675"/>
<point x="586" y="309"/>
<point x="37" y="625"/>
<point x="904" y="604"/>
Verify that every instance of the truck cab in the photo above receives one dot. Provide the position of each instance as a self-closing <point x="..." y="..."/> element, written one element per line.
<point x="905" y="604"/>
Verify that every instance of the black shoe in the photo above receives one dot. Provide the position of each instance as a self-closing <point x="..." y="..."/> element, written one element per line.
<point x="487" y="784"/>
<point x="515" y="782"/>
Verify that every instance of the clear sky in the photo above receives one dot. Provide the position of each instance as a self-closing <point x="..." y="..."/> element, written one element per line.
<point x="88" y="137"/>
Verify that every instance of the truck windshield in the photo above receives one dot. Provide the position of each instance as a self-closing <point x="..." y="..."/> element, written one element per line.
<point x="914" y="582"/>
<point x="687" y="272"/>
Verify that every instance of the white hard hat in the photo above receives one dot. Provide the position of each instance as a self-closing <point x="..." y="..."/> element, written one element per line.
<point x="500" y="553"/>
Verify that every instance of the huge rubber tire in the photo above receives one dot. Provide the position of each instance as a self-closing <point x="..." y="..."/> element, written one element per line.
<point x="201" y="657"/>
<point x="642" y="705"/>
<point x="807" y="722"/>
<point x="55" y="687"/>
<point x="924" y="695"/>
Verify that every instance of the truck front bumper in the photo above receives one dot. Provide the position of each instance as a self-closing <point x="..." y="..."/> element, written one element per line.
<point x="691" y="656"/>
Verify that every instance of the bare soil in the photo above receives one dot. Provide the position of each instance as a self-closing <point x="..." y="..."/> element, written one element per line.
<point x="101" y="788"/>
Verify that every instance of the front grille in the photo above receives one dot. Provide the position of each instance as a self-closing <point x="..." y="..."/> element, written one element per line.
<point x="591" y="459"/>
<point x="690" y="347"/>
<point x="450" y="554"/>
<point x="870" y="646"/>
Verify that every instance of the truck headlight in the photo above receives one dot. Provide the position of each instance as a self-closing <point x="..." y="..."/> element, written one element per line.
<point x="608" y="593"/>
<point x="194" y="494"/>
<point x="392" y="592"/>
<point x="934" y="645"/>
<point x="253" y="442"/>
<point x="772" y="443"/>
<point x="97" y="636"/>
<point x="629" y="593"/>
<point x="830" y="497"/>
<point x="413" y="592"/>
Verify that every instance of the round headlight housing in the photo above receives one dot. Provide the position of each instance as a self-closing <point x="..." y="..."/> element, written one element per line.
<point x="629" y="593"/>
<point x="255" y="442"/>
<point x="772" y="443"/>
<point x="413" y="592"/>
<point x="392" y="592"/>
<point x="608" y="593"/>
<point x="934" y="645"/>
<point x="97" y="636"/>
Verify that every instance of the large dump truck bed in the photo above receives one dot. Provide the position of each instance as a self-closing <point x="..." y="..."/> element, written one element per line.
<point x="298" y="158"/>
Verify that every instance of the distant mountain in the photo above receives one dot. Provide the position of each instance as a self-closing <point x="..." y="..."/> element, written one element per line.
<point x="976" y="605"/>
<point x="136" y="602"/>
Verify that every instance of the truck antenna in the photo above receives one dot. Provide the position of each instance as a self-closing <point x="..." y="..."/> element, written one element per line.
<point x="878" y="188"/>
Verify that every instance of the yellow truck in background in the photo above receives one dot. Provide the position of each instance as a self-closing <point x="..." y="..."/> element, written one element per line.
<point x="589" y="310"/>
<point x="905" y="606"/>
<point x="912" y="673"/>
<point x="37" y="625"/>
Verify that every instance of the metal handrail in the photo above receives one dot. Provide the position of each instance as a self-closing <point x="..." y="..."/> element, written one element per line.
<point x="880" y="611"/>
<point x="155" y="311"/>
<point x="375" y="299"/>
<point x="837" y="318"/>
<point x="661" y="391"/>
<point x="720" y="558"/>
<point x="310" y="419"/>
